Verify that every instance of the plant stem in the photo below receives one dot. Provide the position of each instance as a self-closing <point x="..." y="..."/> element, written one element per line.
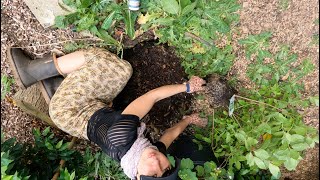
<point x="212" y="130"/>
<point x="193" y="36"/>
<point x="62" y="162"/>
<point x="236" y="120"/>
<point x="257" y="102"/>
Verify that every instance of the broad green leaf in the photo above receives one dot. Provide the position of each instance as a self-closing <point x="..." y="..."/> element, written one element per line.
<point x="300" y="146"/>
<point x="108" y="21"/>
<point x="264" y="127"/>
<point x="187" y="174"/>
<point x="294" y="154"/>
<point x="250" y="142"/>
<point x="296" y="138"/>
<point x="186" y="163"/>
<point x="281" y="154"/>
<point x="259" y="163"/>
<point x="299" y="130"/>
<point x="262" y="154"/>
<point x="170" y="6"/>
<point x="240" y="136"/>
<point x="200" y="170"/>
<point x="250" y="159"/>
<point x="291" y="163"/>
<point x="275" y="170"/>
<point x="209" y="167"/>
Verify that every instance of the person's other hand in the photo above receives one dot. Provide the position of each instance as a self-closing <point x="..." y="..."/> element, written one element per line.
<point x="196" y="83"/>
<point x="196" y="120"/>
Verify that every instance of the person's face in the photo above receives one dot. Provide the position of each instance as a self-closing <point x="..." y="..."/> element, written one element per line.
<point x="152" y="163"/>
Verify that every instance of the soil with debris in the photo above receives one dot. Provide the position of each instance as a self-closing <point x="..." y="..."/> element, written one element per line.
<point x="155" y="66"/>
<point x="291" y="22"/>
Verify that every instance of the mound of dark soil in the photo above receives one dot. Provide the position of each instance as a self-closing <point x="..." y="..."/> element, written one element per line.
<point x="154" y="66"/>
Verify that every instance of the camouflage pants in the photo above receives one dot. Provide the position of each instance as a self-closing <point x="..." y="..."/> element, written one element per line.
<point x="88" y="89"/>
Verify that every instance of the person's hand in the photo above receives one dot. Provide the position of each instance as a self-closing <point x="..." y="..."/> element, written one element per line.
<point x="196" y="120"/>
<point x="195" y="84"/>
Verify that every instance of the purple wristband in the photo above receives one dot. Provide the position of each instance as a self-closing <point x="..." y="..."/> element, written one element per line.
<point x="188" y="87"/>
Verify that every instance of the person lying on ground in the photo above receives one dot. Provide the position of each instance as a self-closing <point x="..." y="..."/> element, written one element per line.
<point x="79" y="105"/>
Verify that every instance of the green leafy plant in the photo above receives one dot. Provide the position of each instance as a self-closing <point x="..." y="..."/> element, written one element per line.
<point x="6" y="82"/>
<point x="192" y="28"/>
<point x="99" y="17"/>
<point x="263" y="130"/>
<point x="39" y="160"/>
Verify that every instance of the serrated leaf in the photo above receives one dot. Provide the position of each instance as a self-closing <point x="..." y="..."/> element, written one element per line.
<point x="188" y="8"/>
<point x="49" y="145"/>
<point x="46" y="131"/>
<point x="275" y="171"/>
<point x="184" y="3"/>
<point x="187" y="174"/>
<point x="59" y="144"/>
<point x="262" y="154"/>
<point x="170" y="6"/>
<point x="186" y="163"/>
<point x="108" y="21"/>
<point x="59" y="22"/>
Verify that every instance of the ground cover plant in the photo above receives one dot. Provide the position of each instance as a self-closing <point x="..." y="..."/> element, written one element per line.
<point x="41" y="160"/>
<point x="262" y="129"/>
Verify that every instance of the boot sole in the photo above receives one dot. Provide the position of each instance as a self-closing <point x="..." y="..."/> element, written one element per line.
<point x="43" y="91"/>
<point x="14" y="69"/>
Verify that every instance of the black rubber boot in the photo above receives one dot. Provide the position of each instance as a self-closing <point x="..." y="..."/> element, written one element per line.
<point x="49" y="86"/>
<point x="27" y="71"/>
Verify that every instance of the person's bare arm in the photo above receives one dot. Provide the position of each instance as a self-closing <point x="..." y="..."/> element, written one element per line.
<point x="142" y="105"/>
<point x="172" y="133"/>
